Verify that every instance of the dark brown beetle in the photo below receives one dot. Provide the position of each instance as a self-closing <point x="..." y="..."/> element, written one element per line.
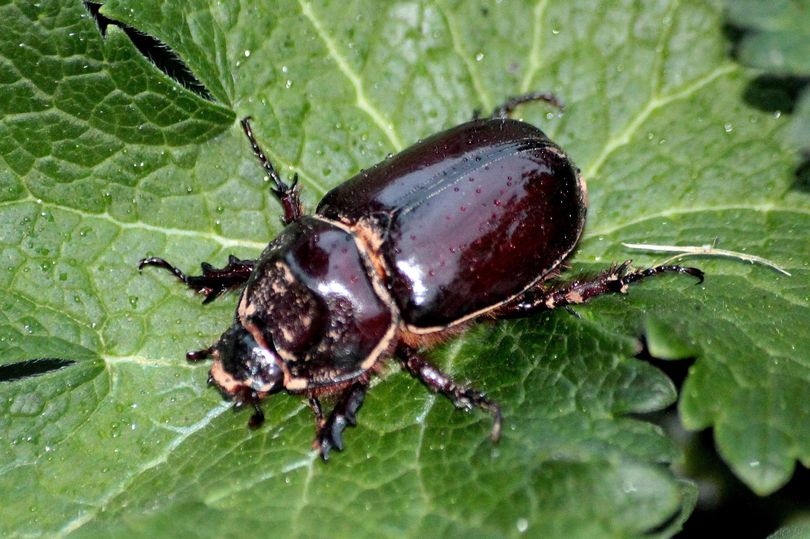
<point x="466" y="224"/>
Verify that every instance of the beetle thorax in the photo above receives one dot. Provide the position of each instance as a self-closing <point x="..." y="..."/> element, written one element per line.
<point x="316" y="302"/>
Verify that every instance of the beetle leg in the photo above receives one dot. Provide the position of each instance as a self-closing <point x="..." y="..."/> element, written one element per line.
<point x="287" y="195"/>
<point x="505" y="110"/>
<point x="250" y="397"/>
<point x="329" y="433"/>
<point x="615" y="279"/>
<point x="213" y="281"/>
<point x="462" y="396"/>
<point x="315" y="406"/>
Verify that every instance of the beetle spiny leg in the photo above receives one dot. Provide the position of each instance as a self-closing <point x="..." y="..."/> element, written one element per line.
<point x="161" y="263"/>
<point x="649" y="272"/>
<point x="462" y="396"/>
<point x="315" y="405"/>
<point x="570" y="310"/>
<point x="330" y="432"/>
<point x="287" y="195"/>
<point x="213" y="281"/>
<point x="615" y="279"/>
<point x="257" y="150"/>
<point x="504" y="110"/>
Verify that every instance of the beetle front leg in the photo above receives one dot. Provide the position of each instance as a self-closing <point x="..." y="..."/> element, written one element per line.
<point x="213" y="281"/>
<point x="506" y="109"/>
<point x="615" y="279"/>
<point x="287" y="195"/>
<point x="249" y="397"/>
<point x="462" y="396"/>
<point x="329" y="433"/>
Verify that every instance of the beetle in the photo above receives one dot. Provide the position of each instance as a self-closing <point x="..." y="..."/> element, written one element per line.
<point x="474" y="222"/>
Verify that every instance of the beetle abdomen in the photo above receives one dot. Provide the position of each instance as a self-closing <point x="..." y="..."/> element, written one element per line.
<point x="468" y="218"/>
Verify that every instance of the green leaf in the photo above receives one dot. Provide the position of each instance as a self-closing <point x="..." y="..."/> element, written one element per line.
<point x="778" y="42"/>
<point x="792" y="531"/>
<point x="106" y="160"/>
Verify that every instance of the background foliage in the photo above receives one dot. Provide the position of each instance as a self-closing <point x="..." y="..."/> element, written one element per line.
<point x="104" y="159"/>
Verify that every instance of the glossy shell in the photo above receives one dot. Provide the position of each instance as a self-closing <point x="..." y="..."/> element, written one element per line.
<point x="465" y="220"/>
<point x="311" y="300"/>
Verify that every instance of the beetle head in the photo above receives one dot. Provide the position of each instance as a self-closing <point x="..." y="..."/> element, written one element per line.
<point x="241" y="366"/>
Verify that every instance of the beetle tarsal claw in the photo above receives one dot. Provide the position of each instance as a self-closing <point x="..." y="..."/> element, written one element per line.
<point x="330" y="432"/>
<point x="257" y="417"/>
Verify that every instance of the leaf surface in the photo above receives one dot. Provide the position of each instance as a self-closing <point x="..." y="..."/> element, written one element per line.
<point x="106" y="160"/>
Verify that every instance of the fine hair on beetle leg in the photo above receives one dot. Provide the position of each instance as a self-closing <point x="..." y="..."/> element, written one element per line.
<point x="615" y="279"/>
<point x="213" y="281"/>
<point x="461" y="395"/>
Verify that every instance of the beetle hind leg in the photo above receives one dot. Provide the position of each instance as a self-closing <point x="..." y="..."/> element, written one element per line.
<point x="505" y="110"/>
<point x="213" y="281"/>
<point x="612" y="280"/>
<point x="462" y="396"/>
<point x="329" y="432"/>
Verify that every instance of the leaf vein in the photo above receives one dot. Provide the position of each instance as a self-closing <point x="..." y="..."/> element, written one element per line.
<point x="139" y="225"/>
<point x="534" y="54"/>
<point x="362" y="101"/>
<point x="655" y="103"/>
<point x="459" y="49"/>
<point x="121" y="488"/>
